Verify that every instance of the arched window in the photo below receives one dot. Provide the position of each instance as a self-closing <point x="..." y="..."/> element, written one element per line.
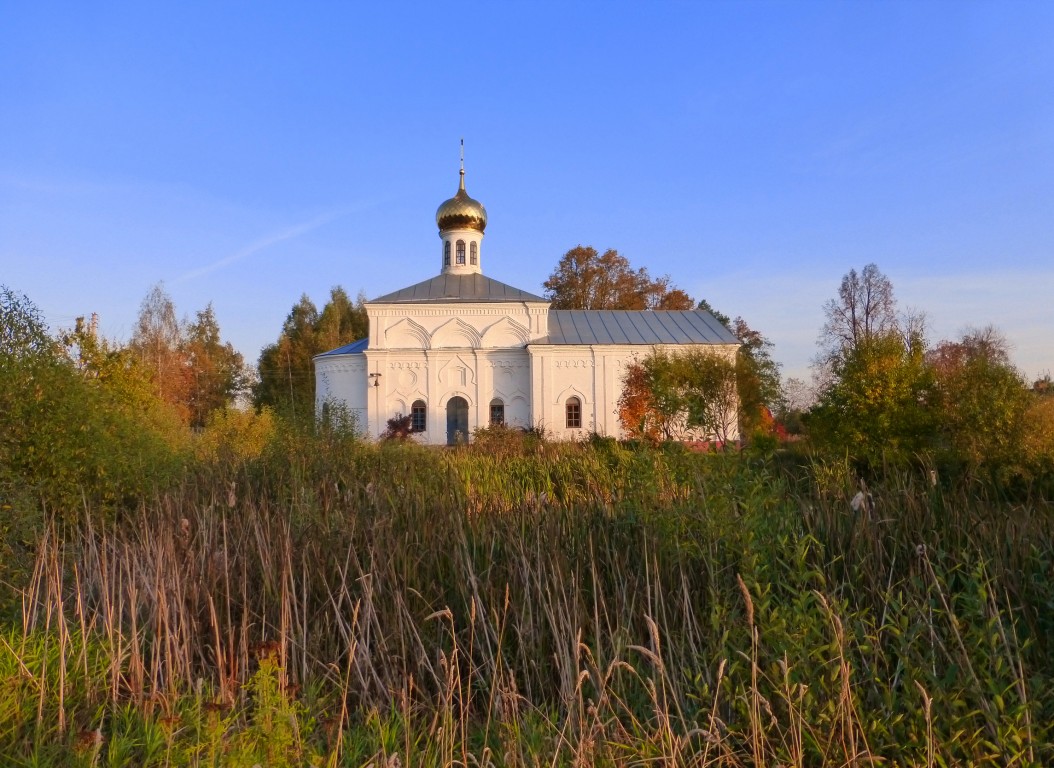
<point x="497" y="412"/>
<point x="460" y="251"/>
<point x="418" y="417"/>
<point x="472" y="257"/>
<point x="574" y="413"/>
<point x="446" y="253"/>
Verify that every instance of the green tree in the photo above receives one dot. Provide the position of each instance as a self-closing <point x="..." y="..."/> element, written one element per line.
<point x="585" y="279"/>
<point x="79" y="417"/>
<point x="287" y="376"/>
<point x="880" y="402"/>
<point x="341" y="320"/>
<point x="235" y="435"/>
<point x="23" y="332"/>
<point x="158" y="342"/>
<point x="758" y="383"/>
<point x="984" y="401"/>
<point x="642" y="410"/>
<point x="675" y="394"/>
<point x="124" y="394"/>
<point x="218" y="374"/>
<point x="28" y="375"/>
<point x="707" y="382"/>
<point x="117" y="369"/>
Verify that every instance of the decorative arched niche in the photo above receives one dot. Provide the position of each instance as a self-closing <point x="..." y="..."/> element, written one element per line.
<point x="457" y="373"/>
<point x="455" y="333"/>
<point x="505" y="333"/>
<point x="406" y="334"/>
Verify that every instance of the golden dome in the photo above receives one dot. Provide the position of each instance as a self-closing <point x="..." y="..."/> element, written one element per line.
<point x="461" y="211"/>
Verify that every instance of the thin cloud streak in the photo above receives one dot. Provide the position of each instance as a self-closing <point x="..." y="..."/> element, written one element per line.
<point x="263" y="243"/>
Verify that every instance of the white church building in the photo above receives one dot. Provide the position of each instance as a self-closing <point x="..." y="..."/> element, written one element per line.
<point x="461" y="350"/>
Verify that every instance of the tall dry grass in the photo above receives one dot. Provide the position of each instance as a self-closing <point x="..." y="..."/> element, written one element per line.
<point x="352" y="604"/>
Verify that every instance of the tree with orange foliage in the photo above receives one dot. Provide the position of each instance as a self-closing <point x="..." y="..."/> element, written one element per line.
<point x="585" y="279"/>
<point x="190" y="367"/>
<point x="637" y="411"/>
<point x="670" y="396"/>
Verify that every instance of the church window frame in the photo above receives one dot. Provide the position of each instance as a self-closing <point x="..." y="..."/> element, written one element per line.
<point x="460" y="252"/>
<point x="573" y="413"/>
<point x="418" y="416"/>
<point x="497" y="412"/>
<point x="473" y="253"/>
<point x="446" y="253"/>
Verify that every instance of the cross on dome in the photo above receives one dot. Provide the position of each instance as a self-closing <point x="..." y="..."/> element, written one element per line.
<point x="461" y="221"/>
<point x="461" y="211"/>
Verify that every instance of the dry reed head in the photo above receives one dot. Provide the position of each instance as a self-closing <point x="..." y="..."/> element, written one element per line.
<point x="746" y="600"/>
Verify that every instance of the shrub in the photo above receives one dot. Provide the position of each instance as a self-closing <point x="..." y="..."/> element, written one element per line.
<point x="77" y="420"/>
<point x="233" y="434"/>
<point x="399" y="428"/>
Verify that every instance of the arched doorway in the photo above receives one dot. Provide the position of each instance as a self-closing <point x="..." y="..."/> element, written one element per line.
<point x="456" y="421"/>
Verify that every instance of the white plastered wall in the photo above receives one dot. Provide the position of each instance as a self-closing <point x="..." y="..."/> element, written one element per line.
<point x="434" y="352"/>
<point x="342" y="379"/>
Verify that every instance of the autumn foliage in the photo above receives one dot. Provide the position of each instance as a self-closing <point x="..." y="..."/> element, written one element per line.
<point x="191" y="368"/>
<point x="680" y="395"/>
<point x="586" y="279"/>
<point x="637" y="411"/>
<point x="890" y="398"/>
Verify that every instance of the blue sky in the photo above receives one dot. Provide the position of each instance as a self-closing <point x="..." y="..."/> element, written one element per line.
<point x="246" y="153"/>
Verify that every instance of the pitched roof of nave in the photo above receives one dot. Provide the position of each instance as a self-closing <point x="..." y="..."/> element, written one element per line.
<point x="596" y="327"/>
<point x="464" y="288"/>
<point x="615" y="326"/>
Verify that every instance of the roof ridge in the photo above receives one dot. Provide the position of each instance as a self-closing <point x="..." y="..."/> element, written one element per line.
<point x="457" y="288"/>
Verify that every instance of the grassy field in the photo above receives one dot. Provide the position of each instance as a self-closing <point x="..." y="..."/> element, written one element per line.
<point x="520" y="603"/>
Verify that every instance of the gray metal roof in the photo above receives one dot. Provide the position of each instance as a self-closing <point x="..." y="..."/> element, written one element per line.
<point x="468" y="288"/>
<point x="609" y="326"/>
<point x="354" y="348"/>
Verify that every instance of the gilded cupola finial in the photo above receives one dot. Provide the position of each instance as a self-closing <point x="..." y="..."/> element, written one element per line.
<point x="461" y="211"/>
